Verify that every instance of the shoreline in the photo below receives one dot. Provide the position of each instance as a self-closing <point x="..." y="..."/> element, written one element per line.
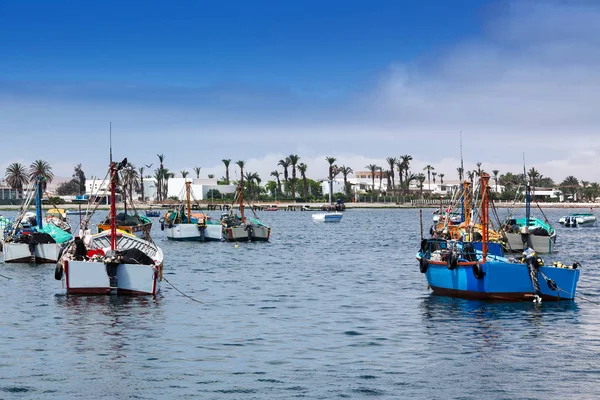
<point x="317" y="206"/>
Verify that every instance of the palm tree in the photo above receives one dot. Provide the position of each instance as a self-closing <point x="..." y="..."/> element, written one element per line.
<point x="496" y="172"/>
<point x="372" y="169"/>
<point x="302" y="169"/>
<point x="434" y="174"/>
<point x="534" y="175"/>
<point x="392" y="162"/>
<point x="406" y="159"/>
<point x="277" y="174"/>
<point x="211" y="176"/>
<point x="441" y="179"/>
<point x="130" y="180"/>
<point x="428" y="168"/>
<point x="184" y="174"/>
<point x="226" y="161"/>
<point x="293" y="161"/>
<point x="159" y="176"/>
<point x="479" y="171"/>
<point x="285" y="163"/>
<point x="460" y="171"/>
<point x="331" y="173"/>
<point x="421" y="179"/>
<point x="241" y="164"/>
<point x="380" y="177"/>
<point x="197" y="171"/>
<point x="346" y="171"/>
<point x="16" y="177"/>
<point x="570" y="185"/>
<point x="400" y="166"/>
<point x="142" y="182"/>
<point x="42" y="169"/>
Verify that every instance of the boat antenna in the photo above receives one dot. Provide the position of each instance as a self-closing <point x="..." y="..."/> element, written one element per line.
<point x="462" y="169"/>
<point x="110" y="140"/>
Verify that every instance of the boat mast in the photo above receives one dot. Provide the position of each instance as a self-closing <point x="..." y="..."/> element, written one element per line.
<point x="113" y="206"/>
<point x="241" y="196"/>
<point x="527" y="196"/>
<point x="460" y="178"/>
<point x="484" y="214"/>
<point x="38" y="201"/>
<point x="189" y="207"/>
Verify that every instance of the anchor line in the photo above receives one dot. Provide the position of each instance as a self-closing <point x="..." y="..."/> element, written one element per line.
<point x="5" y="277"/>
<point x="188" y="296"/>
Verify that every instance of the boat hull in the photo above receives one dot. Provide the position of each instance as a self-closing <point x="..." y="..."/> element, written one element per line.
<point x="540" y="244"/>
<point x="88" y="277"/>
<point x="19" y="253"/>
<point x="137" y="230"/>
<point x="191" y="232"/>
<point x="241" y="234"/>
<point x="578" y="221"/>
<point x="327" y="217"/>
<point x="502" y="281"/>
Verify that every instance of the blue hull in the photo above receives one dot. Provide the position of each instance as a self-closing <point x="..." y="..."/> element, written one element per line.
<point x="502" y="281"/>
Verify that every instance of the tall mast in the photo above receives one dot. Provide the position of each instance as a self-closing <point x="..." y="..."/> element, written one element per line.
<point x="113" y="206"/>
<point x="527" y="195"/>
<point x="484" y="214"/>
<point x="241" y="196"/>
<point x="38" y="201"/>
<point x="189" y="206"/>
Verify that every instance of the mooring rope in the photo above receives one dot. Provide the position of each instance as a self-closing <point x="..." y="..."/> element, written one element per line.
<point x="188" y="296"/>
<point x="5" y="277"/>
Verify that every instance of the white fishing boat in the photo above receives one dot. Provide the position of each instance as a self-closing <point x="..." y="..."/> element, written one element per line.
<point x="181" y="224"/>
<point x="328" y="217"/>
<point x="113" y="261"/>
<point x="29" y="239"/>
<point x="578" y="219"/>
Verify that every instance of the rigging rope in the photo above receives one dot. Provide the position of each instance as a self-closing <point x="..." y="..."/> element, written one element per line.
<point x="188" y="296"/>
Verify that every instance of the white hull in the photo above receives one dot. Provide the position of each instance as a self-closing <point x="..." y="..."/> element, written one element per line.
<point x="239" y="233"/>
<point x="91" y="277"/>
<point x="211" y="232"/>
<point x="541" y="244"/>
<point x="588" y="220"/>
<point x="85" y="277"/>
<point x="19" y="253"/>
<point x="327" y="217"/>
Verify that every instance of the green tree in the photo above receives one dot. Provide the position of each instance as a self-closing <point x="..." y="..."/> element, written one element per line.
<point x="226" y="161"/>
<point x="197" y="171"/>
<point x="372" y="169"/>
<point x="293" y="161"/>
<point x="392" y="162"/>
<point x="184" y="174"/>
<point x="277" y="174"/>
<point x="302" y="169"/>
<point x="441" y="179"/>
<point x="345" y="172"/>
<point x="496" y="172"/>
<point x="285" y="163"/>
<point x="406" y="159"/>
<point x="428" y="168"/>
<point x="43" y="169"/>
<point x="79" y="178"/>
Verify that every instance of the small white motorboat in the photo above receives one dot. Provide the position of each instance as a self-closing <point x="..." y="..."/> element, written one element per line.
<point x="328" y="217"/>
<point x="579" y="219"/>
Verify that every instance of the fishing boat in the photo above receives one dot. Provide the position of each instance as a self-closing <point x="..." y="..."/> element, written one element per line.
<point x="58" y="218"/>
<point x="28" y="239"/>
<point x="181" y="224"/>
<point x="528" y="232"/>
<point x="272" y="207"/>
<point x="130" y="222"/>
<point x="77" y="212"/>
<point x="578" y="220"/>
<point x="112" y="261"/>
<point x="240" y="227"/>
<point x="152" y="213"/>
<point x="459" y="269"/>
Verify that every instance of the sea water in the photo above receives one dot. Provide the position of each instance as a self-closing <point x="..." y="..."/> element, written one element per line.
<point x="322" y="311"/>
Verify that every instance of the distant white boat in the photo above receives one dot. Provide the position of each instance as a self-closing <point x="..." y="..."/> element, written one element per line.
<point x="580" y="219"/>
<point x="328" y="217"/>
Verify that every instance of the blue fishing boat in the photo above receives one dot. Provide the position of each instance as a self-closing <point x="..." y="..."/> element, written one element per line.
<point x="481" y="271"/>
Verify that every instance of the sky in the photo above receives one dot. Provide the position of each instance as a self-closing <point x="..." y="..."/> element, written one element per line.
<point x="202" y="81"/>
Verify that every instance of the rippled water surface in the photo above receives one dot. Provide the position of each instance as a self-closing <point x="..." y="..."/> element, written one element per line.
<point x="322" y="311"/>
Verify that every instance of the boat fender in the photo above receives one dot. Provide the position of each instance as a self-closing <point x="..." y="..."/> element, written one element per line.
<point x="478" y="271"/>
<point x="452" y="261"/>
<point x="423" y="265"/>
<point x="58" y="271"/>
<point x="162" y="226"/>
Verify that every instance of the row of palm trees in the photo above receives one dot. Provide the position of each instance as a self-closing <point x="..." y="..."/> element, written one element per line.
<point x="17" y="176"/>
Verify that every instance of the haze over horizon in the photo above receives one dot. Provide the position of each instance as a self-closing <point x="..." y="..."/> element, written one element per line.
<point x="258" y="81"/>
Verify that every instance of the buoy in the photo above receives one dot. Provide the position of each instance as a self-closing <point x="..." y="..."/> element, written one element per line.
<point x="237" y="245"/>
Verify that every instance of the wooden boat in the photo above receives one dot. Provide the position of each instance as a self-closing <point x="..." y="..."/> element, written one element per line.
<point x="578" y="220"/>
<point x="182" y="225"/>
<point x="529" y="232"/>
<point x="112" y="261"/>
<point x="456" y="268"/>
<point x="28" y="239"/>
<point x="241" y="228"/>
<point x="138" y="225"/>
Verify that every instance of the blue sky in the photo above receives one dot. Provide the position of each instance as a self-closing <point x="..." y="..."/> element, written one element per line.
<point x="359" y="80"/>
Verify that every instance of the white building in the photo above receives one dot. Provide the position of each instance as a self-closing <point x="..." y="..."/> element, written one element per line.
<point x="338" y="186"/>
<point x="199" y="187"/>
